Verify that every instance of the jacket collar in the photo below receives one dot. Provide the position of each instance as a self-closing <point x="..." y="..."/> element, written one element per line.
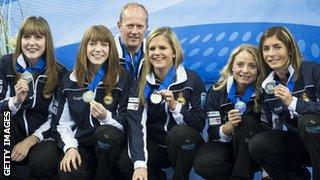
<point x="181" y="76"/>
<point x="230" y="82"/>
<point x="73" y="78"/>
<point x="119" y="48"/>
<point x="270" y="78"/>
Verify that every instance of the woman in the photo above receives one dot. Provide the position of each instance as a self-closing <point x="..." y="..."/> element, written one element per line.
<point x="164" y="111"/>
<point x="29" y="78"/>
<point x="292" y="110"/>
<point x="233" y="112"/>
<point x="92" y="104"/>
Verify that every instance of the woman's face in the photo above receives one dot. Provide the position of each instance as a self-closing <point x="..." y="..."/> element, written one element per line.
<point x="160" y="53"/>
<point x="275" y="53"/>
<point x="33" y="46"/>
<point x="97" y="52"/>
<point x="244" y="68"/>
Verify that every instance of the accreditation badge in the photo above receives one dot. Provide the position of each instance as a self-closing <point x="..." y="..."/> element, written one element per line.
<point x="180" y="99"/>
<point x="108" y="99"/>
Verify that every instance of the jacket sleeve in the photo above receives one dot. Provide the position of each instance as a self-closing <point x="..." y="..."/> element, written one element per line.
<point x="63" y="126"/>
<point x="4" y="84"/>
<point x="137" y="117"/>
<point x="309" y="107"/>
<point x="195" y="116"/>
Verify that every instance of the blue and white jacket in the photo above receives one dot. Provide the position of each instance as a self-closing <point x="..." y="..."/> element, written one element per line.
<point x="156" y="120"/>
<point x="122" y="60"/>
<point x="34" y="114"/>
<point x="217" y="107"/>
<point x="306" y="96"/>
<point x="73" y="119"/>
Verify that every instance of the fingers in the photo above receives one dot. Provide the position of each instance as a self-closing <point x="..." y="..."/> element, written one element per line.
<point x="21" y="86"/>
<point x="98" y="110"/>
<point x="18" y="154"/>
<point x="167" y="95"/>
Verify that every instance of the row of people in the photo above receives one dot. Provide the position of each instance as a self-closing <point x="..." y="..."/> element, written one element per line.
<point x="105" y="122"/>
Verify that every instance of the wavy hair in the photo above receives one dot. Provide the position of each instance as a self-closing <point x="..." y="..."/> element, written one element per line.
<point x="172" y="39"/>
<point x="283" y="35"/>
<point x="227" y="71"/>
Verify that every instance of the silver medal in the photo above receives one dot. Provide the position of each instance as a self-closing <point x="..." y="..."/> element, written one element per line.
<point x="156" y="98"/>
<point x="27" y="76"/>
<point x="270" y="87"/>
<point x="241" y="106"/>
<point x="88" y="96"/>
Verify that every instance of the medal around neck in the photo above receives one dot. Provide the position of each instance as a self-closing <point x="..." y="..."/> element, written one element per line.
<point x="27" y="76"/>
<point x="88" y="96"/>
<point x="155" y="98"/>
<point x="241" y="106"/>
<point x="270" y="87"/>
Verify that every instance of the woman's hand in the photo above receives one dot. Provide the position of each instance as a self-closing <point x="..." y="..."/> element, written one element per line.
<point x="284" y="94"/>
<point x="97" y="110"/>
<point x="234" y="118"/>
<point x="167" y="95"/>
<point x="20" y="150"/>
<point x="140" y="174"/>
<point x="21" y="89"/>
<point x="72" y="157"/>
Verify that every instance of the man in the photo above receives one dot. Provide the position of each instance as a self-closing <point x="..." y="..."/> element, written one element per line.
<point x="132" y="25"/>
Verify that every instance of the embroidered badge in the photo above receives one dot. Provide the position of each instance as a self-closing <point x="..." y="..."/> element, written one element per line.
<point x="108" y="99"/>
<point x="181" y="100"/>
<point x="305" y="96"/>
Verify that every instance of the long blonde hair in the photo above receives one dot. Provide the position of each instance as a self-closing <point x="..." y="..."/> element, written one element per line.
<point x="147" y="66"/>
<point x="227" y="71"/>
<point x="39" y="26"/>
<point x="112" y="67"/>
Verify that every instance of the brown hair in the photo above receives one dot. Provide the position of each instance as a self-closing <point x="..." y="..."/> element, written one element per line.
<point x="39" y="26"/>
<point x="112" y="67"/>
<point x="283" y="35"/>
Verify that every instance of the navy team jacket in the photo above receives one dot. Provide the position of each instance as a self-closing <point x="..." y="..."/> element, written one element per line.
<point x="33" y="116"/>
<point x="155" y="120"/>
<point x="73" y="119"/>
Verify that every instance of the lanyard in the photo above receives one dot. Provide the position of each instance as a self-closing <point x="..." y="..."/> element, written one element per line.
<point x="246" y="96"/>
<point x="40" y="65"/>
<point x="170" y="76"/>
<point x="132" y="62"/>
<point x="99" y="75"/>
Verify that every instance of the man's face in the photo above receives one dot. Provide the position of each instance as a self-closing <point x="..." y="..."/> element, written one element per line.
<point x="132" y="27"/>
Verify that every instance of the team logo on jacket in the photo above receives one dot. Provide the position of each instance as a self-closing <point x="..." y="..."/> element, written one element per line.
<point x="305" y="96"/>
<point x="108" y="99"/>
<point x="181" y="100"/>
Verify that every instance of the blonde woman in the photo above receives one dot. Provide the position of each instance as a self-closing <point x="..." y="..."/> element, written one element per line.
<point x="233" y="112"/>
<point x="164" y="111"/>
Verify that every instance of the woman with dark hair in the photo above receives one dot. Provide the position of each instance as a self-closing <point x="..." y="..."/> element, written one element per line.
<point x="291" y="106"/>
<point x="29" y="79"/>
<point x="233" y="112"/>
<point x="92" y="104"/>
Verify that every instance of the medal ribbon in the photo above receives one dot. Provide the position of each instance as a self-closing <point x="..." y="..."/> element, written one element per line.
<point x="97" y="78"/>
<point x="245" y="98"/>
<point x="164" y="85"/>
<point x="40" y="65"/>
<point x="132" y="62"/>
